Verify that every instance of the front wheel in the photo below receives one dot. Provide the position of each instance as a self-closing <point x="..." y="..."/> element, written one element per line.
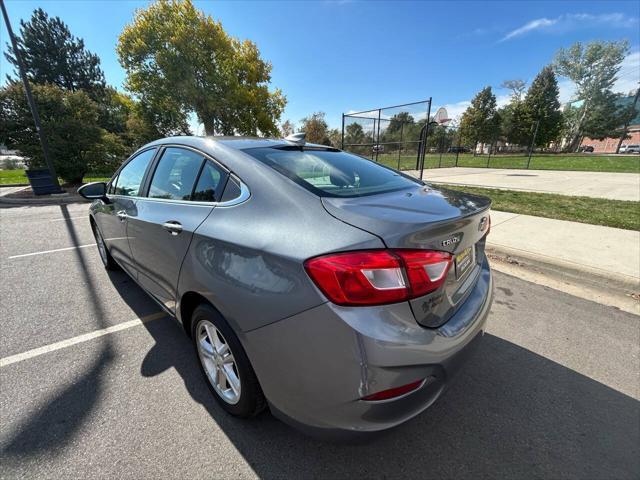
<point x="225" y="365"/>
<point x="107" y="260"/>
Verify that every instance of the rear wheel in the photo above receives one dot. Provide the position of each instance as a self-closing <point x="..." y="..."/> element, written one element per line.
<point x="225" y="365"/>
<point x="107" y="260"/>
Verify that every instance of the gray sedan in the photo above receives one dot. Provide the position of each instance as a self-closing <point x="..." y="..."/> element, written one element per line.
<point x="338" y="293"/>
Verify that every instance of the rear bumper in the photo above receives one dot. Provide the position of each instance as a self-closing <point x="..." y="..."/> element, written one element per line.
<point x="315" y="366"/>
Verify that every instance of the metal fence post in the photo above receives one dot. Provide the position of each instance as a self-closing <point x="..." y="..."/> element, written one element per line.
<point x="377" y="143"/>
<point x="458" y="147"/>
<point x="400" y="144"/>
<point x="426" y="136"/>
<point x="533" y="142"/>
<point x="441" y="148"/>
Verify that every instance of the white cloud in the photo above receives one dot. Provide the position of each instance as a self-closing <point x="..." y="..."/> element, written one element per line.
<point x="572" y="21"/>
<point x="529" y="26"/>
<point x="567" y="91"/>
<point x="629" y="74"/>
<point x="502" y="100"/>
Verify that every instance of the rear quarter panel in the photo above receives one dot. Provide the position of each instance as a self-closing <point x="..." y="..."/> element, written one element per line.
<point x="247" y="259"/>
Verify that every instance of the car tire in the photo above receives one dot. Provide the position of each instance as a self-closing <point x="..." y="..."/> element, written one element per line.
<point x="107" y="260"/>
<point x="225" y="374"/>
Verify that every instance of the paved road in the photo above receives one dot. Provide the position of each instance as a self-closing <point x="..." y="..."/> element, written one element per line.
<point x="616" y="186"/>
<point x="552" y="391"/>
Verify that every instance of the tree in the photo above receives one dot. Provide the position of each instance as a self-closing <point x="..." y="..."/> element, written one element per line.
<point x="315" y="128"/>
<point x="178" y="58"/>
<point x="398" y="121"/>
<point x="480" y="122"/>
<point x="593" y="68"/>
<point x="541" y="109"/>
<point x="335" y="138"/>
<point x="51" y="54"/>
<point x="70" y="121"/>
<point x="354" y="133"/>
<point x="135" y="122"/>
<point x="287" y="128"/>
<point x="517" y="88"/>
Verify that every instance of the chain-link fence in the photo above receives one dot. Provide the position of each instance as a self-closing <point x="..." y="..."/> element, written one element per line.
<point x="413" y="137"/>
<point x="391" y="135"/>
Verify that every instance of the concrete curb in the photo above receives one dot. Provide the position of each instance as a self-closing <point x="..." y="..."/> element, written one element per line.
<point x="3" y="185"/>
<point x="42" y="201"/>
<point x="567" y="271"/>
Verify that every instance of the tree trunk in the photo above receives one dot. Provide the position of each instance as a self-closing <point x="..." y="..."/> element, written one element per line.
<point x="209" y="126"/>
<point x="574" y="145"/>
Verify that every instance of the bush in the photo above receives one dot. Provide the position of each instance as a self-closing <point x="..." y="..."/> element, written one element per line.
<point x="70" y="122"/>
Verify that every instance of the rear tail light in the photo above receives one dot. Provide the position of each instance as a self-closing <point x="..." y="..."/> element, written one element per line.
<point x="375" y="277"/>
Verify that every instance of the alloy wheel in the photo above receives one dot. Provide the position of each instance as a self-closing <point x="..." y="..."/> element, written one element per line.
<point x="218" y="362"/>
<point x="102" y="249"/>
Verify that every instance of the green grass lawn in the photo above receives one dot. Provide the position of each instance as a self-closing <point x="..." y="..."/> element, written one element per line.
<point x="12" y="176"/>
<point x="584" y="162"/>
<point x="596" y="211"/>
<point x="8" y="177"/>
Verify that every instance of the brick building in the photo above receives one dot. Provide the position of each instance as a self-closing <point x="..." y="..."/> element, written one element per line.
<point x="608" y="145"/>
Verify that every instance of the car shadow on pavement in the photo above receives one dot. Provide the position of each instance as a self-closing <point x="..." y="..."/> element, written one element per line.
<point x="55" y="423"/>
<point x="510" y="413"/>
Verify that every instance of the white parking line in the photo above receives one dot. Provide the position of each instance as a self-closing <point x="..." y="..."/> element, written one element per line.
<point x="79" y="339"/>
<point x="51" y="251"/>
<point x="86" y="217"/>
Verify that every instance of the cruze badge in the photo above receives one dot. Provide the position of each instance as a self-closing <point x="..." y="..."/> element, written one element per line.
<point x="452" y="240"/>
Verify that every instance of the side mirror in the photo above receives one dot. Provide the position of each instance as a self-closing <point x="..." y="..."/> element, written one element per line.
<point x="94" y="191"/>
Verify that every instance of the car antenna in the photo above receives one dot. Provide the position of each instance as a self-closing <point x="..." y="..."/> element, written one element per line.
<point x="297" y="139"/>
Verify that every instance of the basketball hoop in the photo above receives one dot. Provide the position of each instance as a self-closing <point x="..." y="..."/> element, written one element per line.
<point x="441" y="116"/>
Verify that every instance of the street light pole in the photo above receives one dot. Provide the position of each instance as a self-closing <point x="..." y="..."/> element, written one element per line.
<point x="32" y="104"/>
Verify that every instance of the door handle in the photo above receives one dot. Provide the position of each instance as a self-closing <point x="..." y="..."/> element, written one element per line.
<point x="173" y="227"/>
<point x="122" y="215"/>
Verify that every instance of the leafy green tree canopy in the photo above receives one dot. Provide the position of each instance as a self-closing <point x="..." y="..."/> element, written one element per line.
<point x="70" y="121"/>
<point x="354" y="133"/>
<point x="480" y="122"/>
<point x="180" y="59"/>
<point x="51" y="54"/>
<point x="541" y="107"/>
<point x="593" y="68"/>
<point x="316" y="129"/>
<point x="398" y="121"/>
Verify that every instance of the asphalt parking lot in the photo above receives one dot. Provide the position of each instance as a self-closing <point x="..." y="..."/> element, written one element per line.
<point x="88" y="391"/>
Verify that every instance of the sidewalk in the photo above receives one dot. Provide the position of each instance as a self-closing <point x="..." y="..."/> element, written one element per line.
<point x="615" y="186"/>
<point x="587" y="250"/>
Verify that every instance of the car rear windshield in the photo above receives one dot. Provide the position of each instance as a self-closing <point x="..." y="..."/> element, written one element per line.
<point x="332" y="173"/>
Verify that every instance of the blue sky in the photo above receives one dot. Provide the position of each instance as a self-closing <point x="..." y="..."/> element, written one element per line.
<point x="341" y="56"/>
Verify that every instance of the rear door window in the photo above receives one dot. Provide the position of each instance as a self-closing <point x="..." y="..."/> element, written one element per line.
<point x="210" y="184"/>
<point x="332" y="173"/>
<point x="175" y="174"/>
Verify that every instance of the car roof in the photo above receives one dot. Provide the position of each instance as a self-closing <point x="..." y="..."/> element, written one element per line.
<point x="236" y="143"/>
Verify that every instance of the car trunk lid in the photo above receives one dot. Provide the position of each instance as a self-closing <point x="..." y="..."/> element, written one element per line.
<point x="427" y="218"/>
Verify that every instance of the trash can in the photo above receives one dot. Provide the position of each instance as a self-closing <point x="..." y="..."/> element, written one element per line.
<point x="42" y="182"/>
